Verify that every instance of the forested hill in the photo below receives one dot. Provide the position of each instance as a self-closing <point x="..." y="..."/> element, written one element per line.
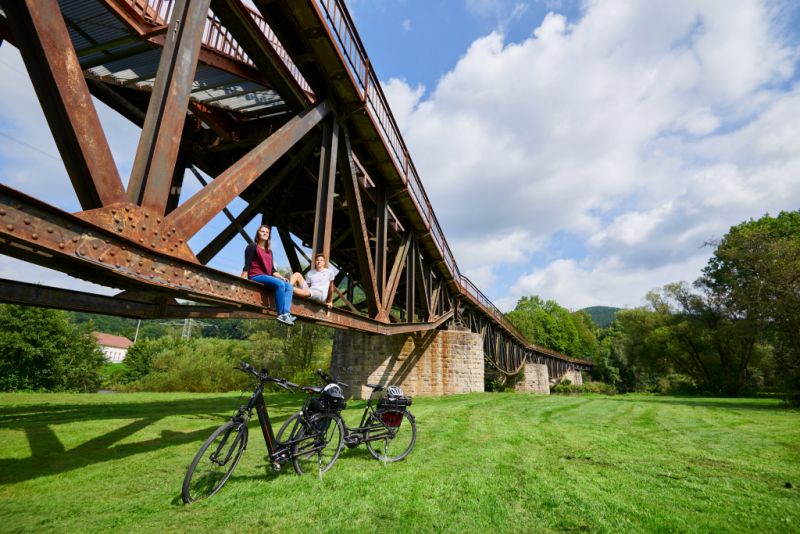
<point x="602" y="315"/>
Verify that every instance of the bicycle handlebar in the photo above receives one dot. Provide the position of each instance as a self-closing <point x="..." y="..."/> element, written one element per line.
<point x="264" y="376"/>
<point x="328" y="379"/>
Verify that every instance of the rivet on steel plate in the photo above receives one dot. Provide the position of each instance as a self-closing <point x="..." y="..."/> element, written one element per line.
<point x="74" y="239"/>
<point x="49" y="229"/>
<point x="9" y="227"/>
<point x="35" y="235"/>
<point x="26" y="220"/>
<point x="61" y="245"/>
<point x="2" y="212"/>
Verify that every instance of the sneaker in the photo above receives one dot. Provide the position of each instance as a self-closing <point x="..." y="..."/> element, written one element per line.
<point x="286" y="319"/>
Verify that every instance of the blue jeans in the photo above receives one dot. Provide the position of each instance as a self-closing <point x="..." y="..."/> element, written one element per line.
<point x="282" y="288"/>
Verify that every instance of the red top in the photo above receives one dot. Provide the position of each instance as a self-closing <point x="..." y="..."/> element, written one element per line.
<point x="261" y="264"/>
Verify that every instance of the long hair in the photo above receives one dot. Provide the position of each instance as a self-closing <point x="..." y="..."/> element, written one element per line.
<point x="268" y="245"/>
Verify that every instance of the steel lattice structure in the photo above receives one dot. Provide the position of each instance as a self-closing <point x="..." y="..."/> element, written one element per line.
<point x="281" y="106"/>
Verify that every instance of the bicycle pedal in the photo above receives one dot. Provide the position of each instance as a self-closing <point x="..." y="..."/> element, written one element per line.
<point x="276" y="467"/>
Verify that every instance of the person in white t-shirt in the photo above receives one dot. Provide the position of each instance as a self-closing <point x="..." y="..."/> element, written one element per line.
<point x="318" y="284"/>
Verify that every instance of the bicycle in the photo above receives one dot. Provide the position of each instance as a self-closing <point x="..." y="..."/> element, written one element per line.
<point x="381" y="429"/>
<point x="316" y="440"/>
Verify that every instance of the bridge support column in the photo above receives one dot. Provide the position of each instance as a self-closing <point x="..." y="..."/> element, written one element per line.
<point x="439" y="362"/>
<point x="535" y="379"/>
<point x="574" y="376"/>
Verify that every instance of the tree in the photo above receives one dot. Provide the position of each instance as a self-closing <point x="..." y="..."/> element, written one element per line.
<point x="555" y="327"/>
<point x="41" y="350"/>
<point x="688" y="332"/>
<point x="755" y="273"/>
<point x="293" y="353"/>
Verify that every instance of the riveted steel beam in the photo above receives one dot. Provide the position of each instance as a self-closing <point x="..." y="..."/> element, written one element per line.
<point x="355" y="210"/>
<point x="43" y="40"/>
<point x="38" y="233"/>
<point x="204" y="205"/>
<point x="163" y="125"/>
<point x="325" y="187"/>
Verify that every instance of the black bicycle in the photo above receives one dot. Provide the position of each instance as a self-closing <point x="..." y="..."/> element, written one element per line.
<point x="315" y="442"/>
<point x="387" y="427"/>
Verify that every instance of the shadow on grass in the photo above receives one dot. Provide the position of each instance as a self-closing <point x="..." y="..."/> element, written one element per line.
<point x="706" y="402"/>
<point x="49" y="456"/>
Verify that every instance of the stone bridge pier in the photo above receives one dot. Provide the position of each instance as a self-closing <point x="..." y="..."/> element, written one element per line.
<point x="433" y="363"/>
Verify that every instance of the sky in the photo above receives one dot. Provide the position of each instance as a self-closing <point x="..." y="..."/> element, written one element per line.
<point x="581" y="151"/>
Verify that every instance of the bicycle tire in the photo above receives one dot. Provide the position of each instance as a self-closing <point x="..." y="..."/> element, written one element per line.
<point x="324" y="435"/>
<point x="388" y="444"/>
<point x="284" y="426"/>
<point x="207" y="474"/>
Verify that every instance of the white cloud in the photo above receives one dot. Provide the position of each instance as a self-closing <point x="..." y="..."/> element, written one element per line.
<point x="578" y="285"/>
<point x="402" y="99"/>
<point x="641" y="129"/>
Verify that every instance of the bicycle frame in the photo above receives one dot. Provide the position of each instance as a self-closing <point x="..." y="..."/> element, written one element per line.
<point x="357" y="435"/>
<point x="279" y="453"/>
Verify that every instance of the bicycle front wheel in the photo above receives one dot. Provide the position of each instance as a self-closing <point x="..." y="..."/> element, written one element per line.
<point x="215" y="461"/>
<point x="291" y="426"/>
<point x="320" y="442"/>
<point x="393" y="439"/>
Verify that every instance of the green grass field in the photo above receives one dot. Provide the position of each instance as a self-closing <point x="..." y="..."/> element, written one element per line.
<point x="483" y="463"/>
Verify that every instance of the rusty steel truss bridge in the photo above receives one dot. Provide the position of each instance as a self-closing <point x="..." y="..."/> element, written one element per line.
<point x="281" y="106"/>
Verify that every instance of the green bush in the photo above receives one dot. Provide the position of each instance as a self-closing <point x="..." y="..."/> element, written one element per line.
<point x="293" y="353"/>
<point x="567" y="387"/>
<point x="196" y="365"/>
<point x="41" y="350"/>
<point x="138" y="362"/>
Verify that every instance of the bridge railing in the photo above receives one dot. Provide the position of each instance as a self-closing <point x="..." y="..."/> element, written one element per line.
<point x="217" y="37"/>
<point x="350" y="46"/>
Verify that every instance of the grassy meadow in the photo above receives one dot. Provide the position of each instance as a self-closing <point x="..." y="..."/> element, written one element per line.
<point x="488" y="462"/>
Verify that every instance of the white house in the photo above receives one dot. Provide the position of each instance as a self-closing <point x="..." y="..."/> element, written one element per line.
<point x="115" y="348"/>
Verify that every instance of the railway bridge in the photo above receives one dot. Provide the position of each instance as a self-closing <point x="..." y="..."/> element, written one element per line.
<point x="280" y="106"/>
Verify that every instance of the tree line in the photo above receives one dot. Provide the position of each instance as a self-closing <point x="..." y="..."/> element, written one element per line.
<point x="734" y="330"/>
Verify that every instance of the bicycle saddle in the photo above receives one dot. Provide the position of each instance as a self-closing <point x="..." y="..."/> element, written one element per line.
<point x="376" y="387"/>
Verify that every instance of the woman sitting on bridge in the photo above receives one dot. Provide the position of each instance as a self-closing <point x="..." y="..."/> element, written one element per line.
<point x="258" y="267"/>
<point x="318" y="284"/>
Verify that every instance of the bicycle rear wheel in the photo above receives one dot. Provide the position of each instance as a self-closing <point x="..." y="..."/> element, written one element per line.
<point x="391" y="443"/>
<point x="320" y="442"/>
<point x="215" y="461"/>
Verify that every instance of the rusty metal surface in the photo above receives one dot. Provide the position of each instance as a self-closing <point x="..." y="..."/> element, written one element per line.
<point x="42" y="38"/>
<point x="205" y="204"/>
<point x="325" y="185"/>
<point x="39" y="233"/>
<point x="157" y="153"/>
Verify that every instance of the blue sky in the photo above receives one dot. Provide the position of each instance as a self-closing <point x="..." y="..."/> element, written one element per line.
<point x="583" y="151"/>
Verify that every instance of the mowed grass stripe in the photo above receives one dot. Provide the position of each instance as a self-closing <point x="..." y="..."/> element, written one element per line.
<point x="483" y="462"/>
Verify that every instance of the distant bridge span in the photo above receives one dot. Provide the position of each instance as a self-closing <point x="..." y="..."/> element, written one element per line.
<point x="282" y="107"/>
